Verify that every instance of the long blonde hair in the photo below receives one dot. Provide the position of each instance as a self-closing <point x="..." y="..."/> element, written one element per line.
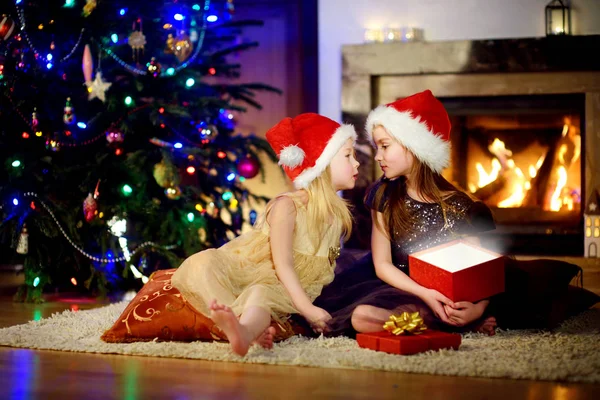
<point x="389" y="197"/>
<point x="324" y="207"/>
<point x="325" y="204"/>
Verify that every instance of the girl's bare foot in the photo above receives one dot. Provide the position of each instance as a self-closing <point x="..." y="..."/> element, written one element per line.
<point x="487" y="326"/>
<point x="266" y="338"/>
<point x="236" y="334"/>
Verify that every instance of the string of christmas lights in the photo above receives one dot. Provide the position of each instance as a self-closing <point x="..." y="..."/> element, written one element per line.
<point x="38" y="55"/>
<point x="83" y="252"/>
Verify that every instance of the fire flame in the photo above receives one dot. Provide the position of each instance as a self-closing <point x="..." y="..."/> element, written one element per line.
<point x="520" y="183"/>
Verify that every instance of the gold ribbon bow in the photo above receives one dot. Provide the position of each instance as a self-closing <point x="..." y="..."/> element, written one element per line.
<point x="405" y="323"/>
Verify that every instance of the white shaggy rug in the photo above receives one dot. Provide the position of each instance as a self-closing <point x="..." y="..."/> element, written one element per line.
<point x="570" y="353"/>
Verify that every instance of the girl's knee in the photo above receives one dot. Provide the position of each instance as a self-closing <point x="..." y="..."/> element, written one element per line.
<point x="360" y="315"/>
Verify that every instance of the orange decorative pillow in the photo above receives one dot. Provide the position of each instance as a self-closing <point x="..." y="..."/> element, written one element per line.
<point x="159" y="311"/>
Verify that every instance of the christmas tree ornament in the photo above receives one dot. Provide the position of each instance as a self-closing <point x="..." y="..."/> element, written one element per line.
<point x="114" y="136"/>
<point x="183" y="47"/>
<point x="90" y="5"/>
<point x="90" y="207"/>
<point x="173" y="193"/>
<point x="154" y="68"/>
<point x="170" y="45"/>
<point x="34" y="120"/>
<point x="137" y="42"/>
<point x="87" y="64"/>
<point x="69" y="113"/>
<point x="166" y="174"/>
<point x="97" y="88"/>
<point x="209" y="133"/>
<point x="230" y="7"/>
<point x="7" y="27"/>
<point x="23" y="244"/>
<point x="248" y="167"/>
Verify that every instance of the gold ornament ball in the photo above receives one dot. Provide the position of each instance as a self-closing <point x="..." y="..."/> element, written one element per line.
<point x="166" y="175"/>
<point x="173" y="193"/>
<point x="182" y="48"/>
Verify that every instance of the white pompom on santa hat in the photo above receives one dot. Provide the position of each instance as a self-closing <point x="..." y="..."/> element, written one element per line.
<point x="306" y="144"/>
<point x="420" y="123"/>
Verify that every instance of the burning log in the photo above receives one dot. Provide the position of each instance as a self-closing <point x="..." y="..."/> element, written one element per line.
<point x="490" y="189"/>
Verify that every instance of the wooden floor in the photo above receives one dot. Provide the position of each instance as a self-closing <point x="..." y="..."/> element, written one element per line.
<point x="52" y="374"/>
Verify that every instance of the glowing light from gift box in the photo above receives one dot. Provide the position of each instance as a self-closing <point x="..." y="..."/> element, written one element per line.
<point x="457" y="257"/>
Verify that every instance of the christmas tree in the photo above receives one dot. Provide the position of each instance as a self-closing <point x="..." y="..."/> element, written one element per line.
<point x="117" y="138"/>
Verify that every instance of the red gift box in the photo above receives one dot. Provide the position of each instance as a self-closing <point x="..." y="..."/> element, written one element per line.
<point x="459" y="270"/>
<point x="408" y="344"/>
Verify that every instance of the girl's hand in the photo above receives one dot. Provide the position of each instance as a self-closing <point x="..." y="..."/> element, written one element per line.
<point x="438" y="304"/>
<point x="317" y="318"/>
<point x="463" y="312"/>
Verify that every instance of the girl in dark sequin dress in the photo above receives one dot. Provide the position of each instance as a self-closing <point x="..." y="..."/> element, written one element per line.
<point x="414" y="208"/>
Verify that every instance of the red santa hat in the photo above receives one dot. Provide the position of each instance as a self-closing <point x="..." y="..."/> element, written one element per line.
<point x="306" y="144"/>
<point x="420" y="122"/>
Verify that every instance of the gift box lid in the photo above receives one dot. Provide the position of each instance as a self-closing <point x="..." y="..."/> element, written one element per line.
<point x="455" y="256"/>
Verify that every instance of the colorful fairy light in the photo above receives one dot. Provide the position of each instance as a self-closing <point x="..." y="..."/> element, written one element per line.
<point x="74" y="281"/>
<point x="190" y="170"/>
<point x="16" y="163"/>
<point x="190" y="82"/>
<point x="36" y="281"/>
<point x="190" y="217"/>
<point x="127" y="190"/>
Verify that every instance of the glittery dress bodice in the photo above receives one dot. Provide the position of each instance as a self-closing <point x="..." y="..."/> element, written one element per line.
<point x="464" y="217"/>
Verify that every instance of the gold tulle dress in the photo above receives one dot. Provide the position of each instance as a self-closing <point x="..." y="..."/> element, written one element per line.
<point x="241" y="273"/>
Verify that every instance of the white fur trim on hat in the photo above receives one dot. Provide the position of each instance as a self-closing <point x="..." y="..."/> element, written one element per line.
<point x="291" y="156"/>
<point x="413" y="134"/>
<point x="336" y="142"/>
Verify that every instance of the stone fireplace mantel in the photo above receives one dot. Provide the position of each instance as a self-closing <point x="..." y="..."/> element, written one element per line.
<point x="380" y="73"/>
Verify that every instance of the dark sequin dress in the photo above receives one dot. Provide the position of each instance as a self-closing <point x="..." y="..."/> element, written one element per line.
<point x="357" y="283"/>
<point x="537" y="295"/>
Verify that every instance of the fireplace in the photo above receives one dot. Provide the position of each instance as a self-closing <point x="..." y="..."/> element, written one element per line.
<point x="522" y="156"/>
<point x="526" y="128"/>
